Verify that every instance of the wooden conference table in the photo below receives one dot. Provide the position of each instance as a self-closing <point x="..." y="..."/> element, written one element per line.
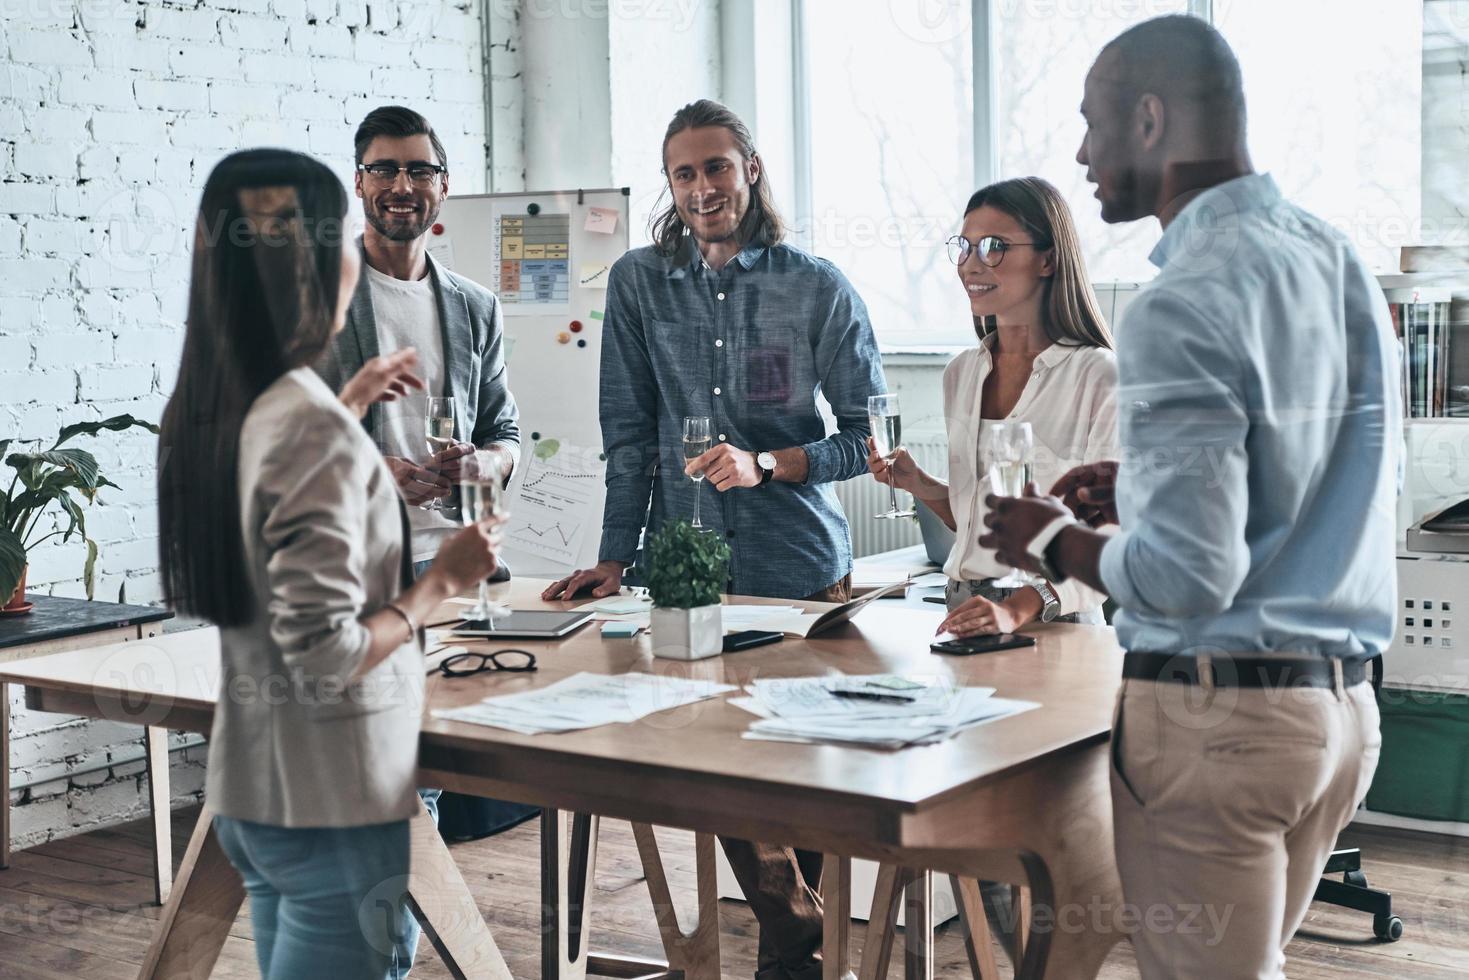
<point x="1022" y="800"/>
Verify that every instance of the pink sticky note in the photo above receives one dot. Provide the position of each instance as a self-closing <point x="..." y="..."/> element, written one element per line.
<point x="602" y="220"/>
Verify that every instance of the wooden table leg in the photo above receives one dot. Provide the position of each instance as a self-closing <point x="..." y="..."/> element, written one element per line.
<point x="970" y="903"/>
<point x="693" y="952"/>
<point x="439" y="897"/>
<point x="4" y="776"/>
<point x="918" y="927"/>
<point x="155" y="744"/>
<point x="1020" y="908"/>
<point x="882" y="922"/>
<point x="197" y="919"/>
<point x="568" y="865"/>
<point x="836" y="911"/>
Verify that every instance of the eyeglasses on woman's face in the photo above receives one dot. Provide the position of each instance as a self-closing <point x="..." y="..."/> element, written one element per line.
<point x="990" y="249"/>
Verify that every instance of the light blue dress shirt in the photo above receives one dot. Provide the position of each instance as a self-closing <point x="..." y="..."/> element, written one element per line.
<point x="751" y="346"/>
<point x="1260" y="428"/>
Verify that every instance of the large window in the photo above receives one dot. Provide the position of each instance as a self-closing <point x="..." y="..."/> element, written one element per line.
<point x="892" y="158"/>
<point x="1334" y="117"/>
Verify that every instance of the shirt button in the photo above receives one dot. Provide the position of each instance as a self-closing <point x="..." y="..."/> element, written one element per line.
<point x="717" y="391"/>
<point x="721" y="437"/>
<point x="729" y="534"/>
<point x="721" y="296"/>
<point x="719" y="343"/>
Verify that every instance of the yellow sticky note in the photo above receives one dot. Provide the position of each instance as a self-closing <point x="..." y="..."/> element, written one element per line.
<point x="594" y="275"/>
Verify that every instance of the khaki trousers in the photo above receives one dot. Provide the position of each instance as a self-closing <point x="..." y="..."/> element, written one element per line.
<point x="1226" y="803"/>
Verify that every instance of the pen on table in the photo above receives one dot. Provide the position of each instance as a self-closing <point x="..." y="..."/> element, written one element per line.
<point x="869" y="696"/>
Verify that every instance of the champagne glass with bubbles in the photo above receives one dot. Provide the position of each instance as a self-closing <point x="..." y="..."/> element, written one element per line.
<point x="1005" y="451"/>
<point x="695" y="444"/>
<point x="439" y="428"/>
<point x="886" y="423"/>
<point x="482" y="498"/>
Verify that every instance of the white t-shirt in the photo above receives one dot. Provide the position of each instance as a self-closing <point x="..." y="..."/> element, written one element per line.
<point x="1070" y="403"/>
<point x="407" y="315"/>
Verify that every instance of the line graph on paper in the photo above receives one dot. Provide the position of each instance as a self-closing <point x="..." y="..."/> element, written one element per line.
<point x="551" y="507"/>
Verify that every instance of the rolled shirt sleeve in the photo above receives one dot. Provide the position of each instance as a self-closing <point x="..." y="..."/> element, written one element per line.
<point x="1101" y="444"/>
<point x="1183" y="494"/>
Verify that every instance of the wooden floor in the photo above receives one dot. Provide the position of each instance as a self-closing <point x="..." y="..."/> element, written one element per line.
<point x="77" y="909"/>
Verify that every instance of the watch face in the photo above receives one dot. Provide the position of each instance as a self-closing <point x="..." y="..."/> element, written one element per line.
<point x="766" y="461"/>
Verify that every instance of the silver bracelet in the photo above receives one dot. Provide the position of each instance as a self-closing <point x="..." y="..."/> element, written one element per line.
<point x="412" y="626"/>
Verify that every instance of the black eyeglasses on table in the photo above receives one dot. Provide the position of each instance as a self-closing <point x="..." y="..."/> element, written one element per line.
<point x="468" y="663"/>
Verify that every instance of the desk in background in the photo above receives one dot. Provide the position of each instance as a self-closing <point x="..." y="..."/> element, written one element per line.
<point x="57" y="625"/>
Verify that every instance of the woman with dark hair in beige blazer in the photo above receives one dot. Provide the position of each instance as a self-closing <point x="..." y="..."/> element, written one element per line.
<point x="280" y="523"/>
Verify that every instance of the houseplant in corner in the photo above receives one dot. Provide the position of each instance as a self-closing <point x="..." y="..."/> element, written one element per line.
<point x="684" y="570"/>
<point x="41" y="479"/>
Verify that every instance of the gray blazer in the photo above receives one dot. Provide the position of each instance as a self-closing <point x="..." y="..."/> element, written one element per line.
<point x="293" y="743"/>
<point x="474" y="355"/>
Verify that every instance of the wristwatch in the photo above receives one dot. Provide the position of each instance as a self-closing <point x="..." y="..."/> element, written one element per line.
<point x="1052" y="605"/>
<point x="766" y="462"/>
<point x="1039" y="546"/>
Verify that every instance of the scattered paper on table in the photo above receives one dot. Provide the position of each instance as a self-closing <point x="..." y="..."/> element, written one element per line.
<point x="585" y="700"/>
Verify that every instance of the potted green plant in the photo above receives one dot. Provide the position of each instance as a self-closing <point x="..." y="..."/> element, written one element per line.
<point x="41" y="479"/>
<point x="684" y="570"/>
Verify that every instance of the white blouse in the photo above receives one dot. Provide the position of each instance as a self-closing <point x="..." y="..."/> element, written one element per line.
<point x="1070" y="403"/>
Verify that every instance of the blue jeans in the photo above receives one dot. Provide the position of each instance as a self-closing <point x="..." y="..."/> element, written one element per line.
<point x="323" y="901"/>
<point x="405" y="937"/>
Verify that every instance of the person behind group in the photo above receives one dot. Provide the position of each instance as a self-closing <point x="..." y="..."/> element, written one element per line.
<point x="1044" y="357"/>
<point x="1254" y="566"/>
<point x="720" y="317"/>
<point x="280" y="523"/>
<point x="406" y="300"/>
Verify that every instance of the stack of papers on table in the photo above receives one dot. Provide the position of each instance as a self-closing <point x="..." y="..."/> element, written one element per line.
<point x="880" y="710"/>
<point x="585" y="701"/>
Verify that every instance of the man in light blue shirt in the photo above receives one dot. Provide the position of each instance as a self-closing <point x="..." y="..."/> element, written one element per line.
<point x="1254" y="569"/>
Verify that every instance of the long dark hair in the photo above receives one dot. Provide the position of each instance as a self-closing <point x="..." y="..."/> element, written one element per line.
<point x="1068" y="306"/>
<point x="762" y="222"/>
<point x="262" y="299"/>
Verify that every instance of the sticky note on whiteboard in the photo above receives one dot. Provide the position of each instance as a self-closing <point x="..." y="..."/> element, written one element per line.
<point x="594" y="275"/>
<point x="603" y="221"/>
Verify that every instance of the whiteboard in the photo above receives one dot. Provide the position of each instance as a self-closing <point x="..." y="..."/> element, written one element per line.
<point x="547" y="256"/>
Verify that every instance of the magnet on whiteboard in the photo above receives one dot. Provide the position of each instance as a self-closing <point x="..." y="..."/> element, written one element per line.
<point x="438" y="228"/>
<point x="581" y="343"/>
<point x="532" y="208"/>
<point x="563" y="337"/>
<point x="576" y="326"/>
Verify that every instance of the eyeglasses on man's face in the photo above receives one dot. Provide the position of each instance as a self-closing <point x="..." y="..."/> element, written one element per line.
<point x="990" y="249"/>
<point x="420" y="173"/>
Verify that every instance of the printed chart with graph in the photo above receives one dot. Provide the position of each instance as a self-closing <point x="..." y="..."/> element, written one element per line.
<point x="554" y="501"/>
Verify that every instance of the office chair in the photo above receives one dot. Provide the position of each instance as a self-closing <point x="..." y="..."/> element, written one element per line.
<point x="1352" y="892"/>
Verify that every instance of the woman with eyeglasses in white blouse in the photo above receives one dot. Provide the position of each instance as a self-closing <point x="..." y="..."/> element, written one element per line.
<point x="1044" y="357"/>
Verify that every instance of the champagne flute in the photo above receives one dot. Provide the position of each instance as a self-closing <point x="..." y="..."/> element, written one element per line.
<point x="482" y="498"/>
<point x="1005" y="450"/>
<point x="439" y="428"/>
<point x="886" y="424"/>
<point x="695" y="444"/>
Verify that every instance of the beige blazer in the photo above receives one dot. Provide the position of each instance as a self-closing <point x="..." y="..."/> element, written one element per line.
<point x="293" y="743"/>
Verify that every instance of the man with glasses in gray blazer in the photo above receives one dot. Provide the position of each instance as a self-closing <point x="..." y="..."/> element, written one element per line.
<point x="405" y="299"/>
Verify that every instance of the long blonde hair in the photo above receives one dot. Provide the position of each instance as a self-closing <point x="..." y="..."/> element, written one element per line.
<point x="1068" y="307"/>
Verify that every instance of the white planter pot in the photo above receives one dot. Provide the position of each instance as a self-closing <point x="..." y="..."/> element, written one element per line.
<point x="687" y="634"/>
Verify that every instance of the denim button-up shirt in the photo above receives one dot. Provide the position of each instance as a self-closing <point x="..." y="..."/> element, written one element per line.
<point x="749" y="346"/>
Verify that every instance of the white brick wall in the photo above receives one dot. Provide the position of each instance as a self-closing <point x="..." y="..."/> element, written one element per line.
<point x="112" y="113"/>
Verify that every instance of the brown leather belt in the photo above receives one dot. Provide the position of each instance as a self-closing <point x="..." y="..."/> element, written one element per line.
<point x="1227" y="671"/>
